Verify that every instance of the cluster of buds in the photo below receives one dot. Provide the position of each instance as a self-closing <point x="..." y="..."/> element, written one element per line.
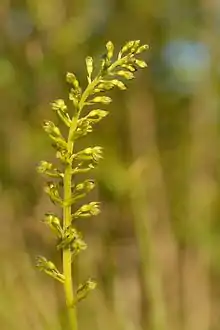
<point x="110" y="75"/>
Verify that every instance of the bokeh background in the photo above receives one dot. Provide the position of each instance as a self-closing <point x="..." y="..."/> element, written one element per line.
<point x="155" y="248"/>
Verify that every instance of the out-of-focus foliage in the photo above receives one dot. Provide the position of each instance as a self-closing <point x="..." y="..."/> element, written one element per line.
<point x="155" y="247"/>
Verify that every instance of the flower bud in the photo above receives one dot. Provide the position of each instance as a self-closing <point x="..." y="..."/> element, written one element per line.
<point x="84" y="289"/>
<point x="89" y="66"/>
<point x="119" y="84"/>
<point x="59" y="105"/>
<point x="141" y="63"/>
<point x="142" y="48"/>
<point x="110" y="50"/>
<point x="54" y="223"/>
<point x="125" y="74"/>
<point x="51" y="128"/>
<point x="91" y="153"/>
<point x="97" y="114"/>
<point x="71" y="79"/>
<point x="87" y="210"/>
<point x="85" y="186"/>
<point x="102" y="99"/>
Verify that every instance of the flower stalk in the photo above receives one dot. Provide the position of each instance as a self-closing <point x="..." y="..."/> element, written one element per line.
<point x="61" y="188"/>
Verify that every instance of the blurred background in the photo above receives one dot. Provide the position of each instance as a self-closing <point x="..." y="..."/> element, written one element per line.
<point x="155" y="248"/>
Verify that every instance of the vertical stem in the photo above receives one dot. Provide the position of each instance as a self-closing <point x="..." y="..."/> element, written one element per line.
<point x="67" y="262"/>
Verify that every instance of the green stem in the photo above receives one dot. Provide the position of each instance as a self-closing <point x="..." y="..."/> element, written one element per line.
<point x="67" y="257"/>
<point x="67" y="262"/>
